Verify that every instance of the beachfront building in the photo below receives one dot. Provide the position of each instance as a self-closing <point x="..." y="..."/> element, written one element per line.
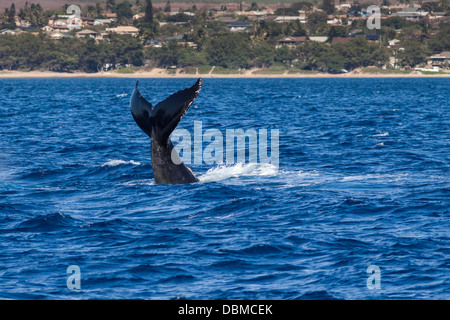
<point x="318" y="38"/>
<point x="124" y="30"/>
<point x="56" y="35"/>
<point x="138" y="16"/>
<point x="290" y="41"/>
<point x="21" y="22"/>
<point x="255" y="14"/>
<point x="412" y="13"/>
<point x="240" y="26"/>
<point x="65" y="22"/>
<point x="440" y="60"/>
<point x="86" y="33"/>
<point x="102" y="22"/>
<point x="283" y="19"/>
<point x="47" y="28"/>
<point x="8" y="31"/>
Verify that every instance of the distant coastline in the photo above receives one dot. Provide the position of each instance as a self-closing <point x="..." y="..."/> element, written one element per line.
<point x="253" y="73"/>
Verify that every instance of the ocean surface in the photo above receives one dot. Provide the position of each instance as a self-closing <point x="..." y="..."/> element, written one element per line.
<point x="362" y="184"/>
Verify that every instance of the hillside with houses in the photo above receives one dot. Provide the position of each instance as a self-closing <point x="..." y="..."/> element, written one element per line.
<point x="300" y="37"/>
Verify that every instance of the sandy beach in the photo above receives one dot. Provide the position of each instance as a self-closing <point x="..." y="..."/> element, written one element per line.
<point x="253" y="73"/>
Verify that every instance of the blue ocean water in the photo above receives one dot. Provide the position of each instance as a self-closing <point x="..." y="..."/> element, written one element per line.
<point x="363" y="180"/>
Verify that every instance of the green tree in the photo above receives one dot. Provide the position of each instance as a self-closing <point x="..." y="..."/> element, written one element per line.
<point x="91" y="11"/>
<point x="229" y="51"/>
<point x="328" y="6"/>
<point x="320" y="56"/>
<point x="178" y="17"/>
<point x="286" y="12"/>
<point x="361" y="53"/>
<point x="28" y="51"/>
<point x="12" y="14"/>
<point x="191" y="57"/>
<point x="302" y="5"/>
<point x="298" y="29"/>
<point x="337" y="31"/>
<point x="98" y="10"/>
<point x="284" y="55"/>
<point x="167" y="8"/>
<point x="127" y="50"/>
<point x="37" y="16"/>
<point x="61" y="62"/>
<point x="441" y="42"/>
<point x="7" y="52"/>
<point x="148" y="12"/>
<point x="270" y="29"/>
<point x="9" y="14"/>
<point x="111" y="5"/>
<point x="170" y="54"/>
<point x="253" y="7"/>
<point x="124" y="11"/>
<point x="414" y="53"/>
<point x="148" y="31"/>
<point x="395" y="22"/>
<point x="23" y="51"/>
<point x="263" y="54"/>
<point x="315" y="21"/>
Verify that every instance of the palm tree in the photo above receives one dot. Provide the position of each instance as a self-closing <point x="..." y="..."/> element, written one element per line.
<point x="110" y="5"/>
<point x="98" y="9"/>
<point x="148" y="12"/>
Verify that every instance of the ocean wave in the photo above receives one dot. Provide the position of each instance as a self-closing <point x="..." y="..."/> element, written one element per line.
<point x="47" y="222"/>
<point x="384" y="134"/>
<point x="239" y="169"/>
<point x="260" y="249"/>
<point x="114" y="163"/>
<point x="84" y="195"/>
<point x="143" y="182"/>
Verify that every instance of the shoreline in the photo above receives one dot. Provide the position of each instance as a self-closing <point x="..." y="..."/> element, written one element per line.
<point x="248" y="74"/>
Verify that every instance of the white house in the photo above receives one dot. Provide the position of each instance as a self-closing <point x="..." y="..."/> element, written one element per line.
<point x="393" y="42"/>
<point x="102" y="22"/>
<point x="65" y="22"/>
<point x="8" y="31"/>
<point x="129" y="30"/>
<point x="138" y="16"/>
<point x="411" y="13"/>
<point x="440" y="59"/>
<point x="318" y="39"/>
<point x="21" y="22"/>
<point x="88" y="33"/>
<point x="47" y="29"/>
<point x="282" y="19"/>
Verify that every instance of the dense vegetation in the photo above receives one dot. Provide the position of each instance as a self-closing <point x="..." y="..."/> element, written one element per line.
<point x="29" y="52"/>
<point x="215" y="44"/>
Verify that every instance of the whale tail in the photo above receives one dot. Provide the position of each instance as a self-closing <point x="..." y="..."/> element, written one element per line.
<point x="162" y="119"/>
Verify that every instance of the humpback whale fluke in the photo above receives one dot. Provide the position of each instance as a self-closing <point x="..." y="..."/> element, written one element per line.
<point x="158" y="123"/>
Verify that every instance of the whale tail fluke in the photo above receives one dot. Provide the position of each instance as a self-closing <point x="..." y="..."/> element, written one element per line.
<point x="165" y="116"/>
<point x="141" y="110"/>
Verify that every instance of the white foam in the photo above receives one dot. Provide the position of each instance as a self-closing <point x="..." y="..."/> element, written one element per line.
<point x="144" y="182"/>
<point x="121" y="95"/>
<point x="385" y="134"/>
<point x="113" y="163"/>
<point x="239" y="169"/>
